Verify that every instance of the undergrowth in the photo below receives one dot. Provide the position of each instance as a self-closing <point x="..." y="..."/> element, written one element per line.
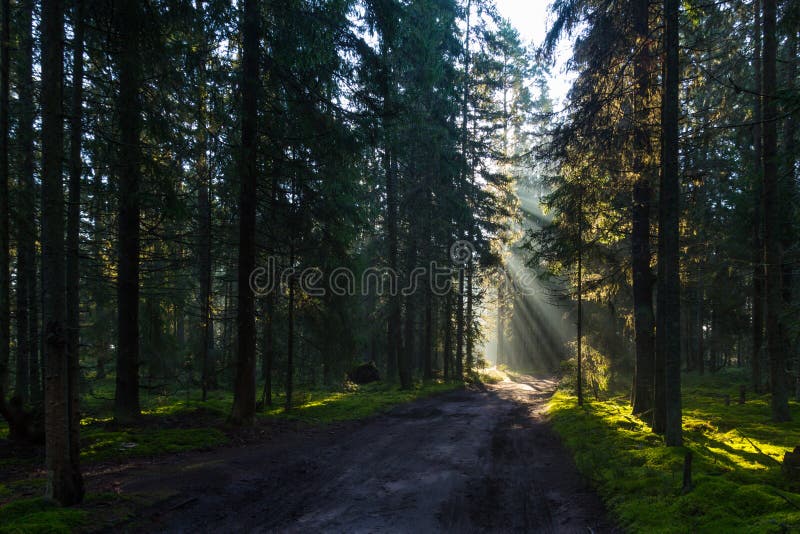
<point x="737" y="481"/>
<point x="39" y="515"/>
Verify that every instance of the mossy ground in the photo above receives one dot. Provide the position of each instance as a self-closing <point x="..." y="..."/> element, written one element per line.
<point x="39" y="515"/>
<point x="360" y="402"/>
<point x="737" y="481"/>
<point x="171" y="424"/>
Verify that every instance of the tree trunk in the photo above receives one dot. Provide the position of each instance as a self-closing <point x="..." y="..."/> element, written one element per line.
<point x="447" y="349"/>
<point x="5" y="280"/>
<point x="459" y="363"/>
<point x="757" y="222"/>
<point x="128" y="21"/>
<point x="204" y="231"/>
<point x="290" y="337"/>
<point x="686" y="331"/>
<point x="700" y="321"/>
<point x="98" y="288"/>
<point x="244" y="396"/>
<point x="75" y="176"/>
<point x="428" y="348"/>
<point x="180" y="326"/>
<point x="35" y="302"/>
<point x="669" y="212"/>
<point x="408" y="354"/>
<point x="788" y="189"/>
<point x="64" y="483"/>
<point x="772" y="222"/>
<point x="226" y="321"/>
<point x="713" y="365"/>
<point x="462" y="330"/>
<point x="27" y="362"/>
<point x="268" y="350"/>
<point x="579" y="322"/>
<point x="393" y="352"/>
<point x="501" y="325"/>
<point x="640" y="213"/>
<point x="468" y="323"/>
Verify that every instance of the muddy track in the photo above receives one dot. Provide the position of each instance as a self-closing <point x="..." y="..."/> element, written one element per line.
<point x="467" y="461"/>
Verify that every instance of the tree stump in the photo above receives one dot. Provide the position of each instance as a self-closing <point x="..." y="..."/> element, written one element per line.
<point x="687" y="472"/>
<point x="742" y="393"/>
<point x="791" y="465"/>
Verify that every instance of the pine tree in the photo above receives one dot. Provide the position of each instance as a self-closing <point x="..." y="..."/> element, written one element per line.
<point x="64" y="482"/>
<point x="244" y="389"/>
<point x="5" y="282"/>
<point x="128" y="22"/>
<point x="772" y="223"/>
<point x="668" y="329"/>
<point x="642" y="399"/>
<point x="74" y="200"/>
<point x="28" y="384"/>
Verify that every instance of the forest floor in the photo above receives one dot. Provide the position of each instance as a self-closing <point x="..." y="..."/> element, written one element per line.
<point x="479" y="459"/>
<point x="737" y="481"/>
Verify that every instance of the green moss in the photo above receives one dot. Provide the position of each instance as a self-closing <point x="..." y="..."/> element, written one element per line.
<point x="367" y="400"/>
<point x="217" y="404"/>
<point x="99" y="511"/>
<point x="98" y="404"/>
<point x="737" y="483"/>
<point x="316" y="406"/>
<point x="21" y="488"/>
<point x="100" y="444"/>
<point x="39" y="515"/>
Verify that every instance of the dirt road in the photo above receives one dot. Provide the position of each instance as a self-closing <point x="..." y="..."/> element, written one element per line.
<point x="468" y="461"/>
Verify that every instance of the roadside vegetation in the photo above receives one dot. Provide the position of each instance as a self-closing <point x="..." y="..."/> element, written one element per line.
<point x="737" y="482"/>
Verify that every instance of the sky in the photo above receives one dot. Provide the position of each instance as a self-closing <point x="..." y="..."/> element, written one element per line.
<point x="532" y="19"/>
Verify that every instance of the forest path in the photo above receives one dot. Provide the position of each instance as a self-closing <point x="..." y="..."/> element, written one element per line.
<point x="477" y="460"/>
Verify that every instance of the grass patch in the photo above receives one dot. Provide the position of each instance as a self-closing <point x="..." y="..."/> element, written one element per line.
<point x="312" y="406"/>
<point x="170" y="424"/>
<point x="22" y="488"/>
<point x="491" y="375"/>
<point x="102" y="441"/>
<point x="98" y="511"/>
<point x="99" y="444"/>
<point x="39" y="515"/>
<point x="363" y="401"/>
<point x="736" y="487"/>
<point x="97" y="404"/>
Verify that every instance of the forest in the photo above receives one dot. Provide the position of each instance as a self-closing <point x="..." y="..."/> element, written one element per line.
<point x="391" y="265"/>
